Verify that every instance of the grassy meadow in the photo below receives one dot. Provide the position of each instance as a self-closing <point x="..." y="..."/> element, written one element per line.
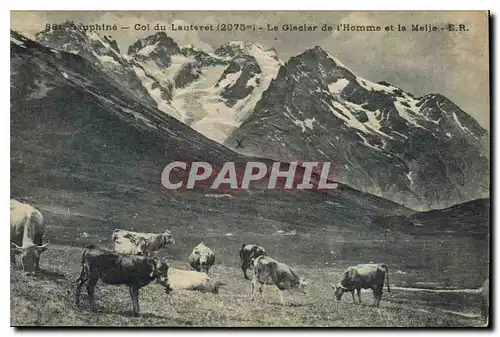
<point x="320" y="251"/>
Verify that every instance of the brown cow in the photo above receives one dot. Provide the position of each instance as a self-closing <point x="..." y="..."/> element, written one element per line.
<point x="116" y="268"/>
<point x="249" y="252"/>
<point x="363" y="276"/>
<point x="271" y="272"/>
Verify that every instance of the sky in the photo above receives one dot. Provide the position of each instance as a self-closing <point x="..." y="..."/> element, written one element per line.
<point x="455" y="64"/>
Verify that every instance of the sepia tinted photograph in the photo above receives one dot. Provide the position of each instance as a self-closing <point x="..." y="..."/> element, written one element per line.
<point x="250" y="169"/>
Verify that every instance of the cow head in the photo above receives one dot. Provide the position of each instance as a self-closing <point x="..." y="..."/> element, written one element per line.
<point x="338" y="291"/>
<point x="257" y="251"/>
<point x="302" y="286"/>
<point x="30" y="255"/>
<point x="298" y="285"/>
<point x="167" y="237"/>
<point x="204" y="262"/>
<point x="160" y="272"/>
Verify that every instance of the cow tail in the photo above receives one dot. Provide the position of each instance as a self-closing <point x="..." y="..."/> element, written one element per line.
<point x="387" y="276"/>
<point x="114" y="235"/>
<point x="241" y="251"/>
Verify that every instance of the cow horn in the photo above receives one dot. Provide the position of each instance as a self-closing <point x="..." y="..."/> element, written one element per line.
<point x="42" y="248"/>
<point x="16" y="249"/>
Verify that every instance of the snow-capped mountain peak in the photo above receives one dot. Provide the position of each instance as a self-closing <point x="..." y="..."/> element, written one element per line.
<point x="379" y="138"/>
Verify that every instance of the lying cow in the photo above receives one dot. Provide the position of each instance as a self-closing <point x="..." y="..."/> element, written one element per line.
<point x="249" y="252"/>
<point x="271" y="272"/>
<point x="363" y="276"/>
<point x="485" y="301"/>
<point x="115" y="268"/>
<point x="26" y="235"/>
<point x="192" y="280"/>
<point x="127" y="242"/>
<point x="202" y="258"/>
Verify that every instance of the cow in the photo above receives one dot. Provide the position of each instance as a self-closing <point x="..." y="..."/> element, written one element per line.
<point x="202" y="258"/>
<point x="485" y="301"/>
<point x="116" y="268"/>
<point x="26" y="235"/>
<point x="271" y="272"/>
<point x="128" y="242"/>
<point x="192" y="280"/>
<point x="363" y="276"/>
<point x="248" y="252"/>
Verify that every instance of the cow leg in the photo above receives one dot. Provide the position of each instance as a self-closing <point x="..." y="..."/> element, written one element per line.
<point x="79" y="283"/>
<point x="352" y="293"/>
<point x="90" y="291"/>
<point x="134" y="293"/>
<point x="13" y="257"/>
<point x="261" y="287"/>
<point x="244" y="268"/>
<point x="252" y="288"/>
<point x="359" y="294"/>
<point x="378" y="294"/>
<point x="282" y="298"/>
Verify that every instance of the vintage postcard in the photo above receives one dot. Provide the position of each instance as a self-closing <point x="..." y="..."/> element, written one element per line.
<point x="250" y="168"/>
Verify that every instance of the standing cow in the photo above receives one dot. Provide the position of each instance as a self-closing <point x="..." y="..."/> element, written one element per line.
<point x="363" y="276"/>
<point x="128" y="242"/>
<point x="202" y="258"/>
<point x="485" y="301"/>
<point x="26" y="235"/>
<point x="115" y="268"/>
<point x="271" y="272"/>
<point x="249" y="252"/>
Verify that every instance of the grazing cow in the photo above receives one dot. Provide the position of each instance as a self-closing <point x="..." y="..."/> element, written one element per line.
<point x="269" y="271"/>
<point x="363" y="276"/>
<point x="202" y="258"/>
<point x="26" y="235"/>
<point x="249" y="252"/>
<point x="485" y="301"/>
<point x="116" y="268"/>
<point x="135" y="243"/>
<point x="192" y="280"/>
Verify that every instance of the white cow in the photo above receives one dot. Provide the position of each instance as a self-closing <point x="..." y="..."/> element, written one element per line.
<point x="26" y="235"/>
<point x="128" y="242"/>
<point x="192" y="280"/>
<point x="202" y="258"/>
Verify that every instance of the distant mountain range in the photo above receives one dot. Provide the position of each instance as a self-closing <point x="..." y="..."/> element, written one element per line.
<point x="211" y="92"/>
<point x="78" y="133"/>
<point x="422" y="152"/>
